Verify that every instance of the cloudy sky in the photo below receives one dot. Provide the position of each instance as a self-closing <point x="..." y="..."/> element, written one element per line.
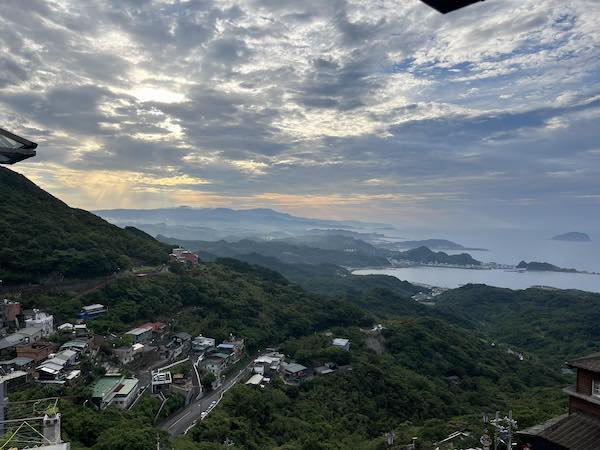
<point x="362" y="109"/>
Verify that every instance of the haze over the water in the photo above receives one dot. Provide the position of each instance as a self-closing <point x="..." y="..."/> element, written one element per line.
<point x="374" y="110"/>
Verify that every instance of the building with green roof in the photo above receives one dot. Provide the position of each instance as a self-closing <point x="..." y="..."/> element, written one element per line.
<point x="115" y="390"/>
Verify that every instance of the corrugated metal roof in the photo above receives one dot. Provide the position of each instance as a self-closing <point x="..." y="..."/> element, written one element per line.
<point x="589" y="362"/>
<point x="126" y="386"/>
<point x="140" y="330"/>
<point x="18" y="361"/>
<point x="255" y="379"/>
<point x="294" y="368"/>
<point x="577" y="431"/>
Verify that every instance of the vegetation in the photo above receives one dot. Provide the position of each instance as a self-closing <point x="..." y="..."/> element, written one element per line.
<point x="111" y="429"/>
<point x="43" y="238"/>
<point x="320" y="250"/>
<point x="555" y="325"/>
<point x="405" y="383"/>
<point x="216" y="299"/>
<point x="429" y="372"/>
<point x="542" y="267"/>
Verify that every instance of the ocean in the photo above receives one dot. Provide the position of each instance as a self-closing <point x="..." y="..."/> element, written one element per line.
<point x="510" y="247"/>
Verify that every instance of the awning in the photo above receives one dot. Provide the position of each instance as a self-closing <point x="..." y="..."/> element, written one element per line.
<point x="14" y="148"/>
<point x="446" y="6"/>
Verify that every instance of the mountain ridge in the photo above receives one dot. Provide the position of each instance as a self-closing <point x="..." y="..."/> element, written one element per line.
<point x="45" y="238"/>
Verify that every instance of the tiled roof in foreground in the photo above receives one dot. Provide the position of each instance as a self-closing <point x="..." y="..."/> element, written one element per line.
<point x="576" y="431"/>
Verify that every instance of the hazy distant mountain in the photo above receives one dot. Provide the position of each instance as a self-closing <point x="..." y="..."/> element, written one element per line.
<point x="336" y="250"/>
<point x="572" y="236"/>
<point x="434" y="244"/>
<point x="230" y="224"/>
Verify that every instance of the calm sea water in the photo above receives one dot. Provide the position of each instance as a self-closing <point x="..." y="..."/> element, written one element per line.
<point x="510" y="247"/>
<point x="453" y="278"/>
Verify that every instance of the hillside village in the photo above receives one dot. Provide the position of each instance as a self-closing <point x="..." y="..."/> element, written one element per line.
<point x="151" y="359"/>
<point x="177" y="368"/>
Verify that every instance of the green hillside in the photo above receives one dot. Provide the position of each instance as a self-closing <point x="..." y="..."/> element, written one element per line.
<point x="426" y="379"/>
<point x="43" y="237"/>
<point x="557" y="325"/>
<point x="429" y="372"/>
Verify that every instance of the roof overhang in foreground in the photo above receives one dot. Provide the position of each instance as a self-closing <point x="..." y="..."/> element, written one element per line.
<point x="446" y="6"/>
<point x="14" y="148"/>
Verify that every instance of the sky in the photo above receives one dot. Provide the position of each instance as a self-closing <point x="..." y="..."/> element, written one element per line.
<point x="373" y="109"/>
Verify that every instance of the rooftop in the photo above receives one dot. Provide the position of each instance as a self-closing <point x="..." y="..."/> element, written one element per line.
<point x="75" y="343"/>
<point x="294" y="367"/>
<point x="589" y="362"/>
<point x="18" y="361"/>
<point x="341" y="342"/>
<point x="11" y="341"/>
<point x="13" y="375"/>
<point x="126" y="386"/>
<point x="183" y="336"/>
<point x="30" y="331"/>
<point x="224" y="345"/>
<point x="93" y="307"/>
<point x="576" y="431"/>
<point x="66" y="354"/>
<point x="255" y="379"/>
<point x="105" y="386"/>
<point x="140" y="330"/>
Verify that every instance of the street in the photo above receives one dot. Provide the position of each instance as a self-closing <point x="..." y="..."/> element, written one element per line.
<point x="183" y="420"/>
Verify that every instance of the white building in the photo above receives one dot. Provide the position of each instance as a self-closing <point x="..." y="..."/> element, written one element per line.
<point x="202" y="343"/>
<point x="115" y="390"/>
<point x="66" y="328"/>
<point x="255" y="380"/>
<point x="161" y="381"/>
<point x="40" y="319"/>
<point x="342" y="344"/>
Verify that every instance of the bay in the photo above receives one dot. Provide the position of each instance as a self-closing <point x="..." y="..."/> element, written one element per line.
<point x="453" y="278"/>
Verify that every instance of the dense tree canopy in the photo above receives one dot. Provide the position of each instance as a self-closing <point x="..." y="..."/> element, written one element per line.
<point x="43" y="237"/>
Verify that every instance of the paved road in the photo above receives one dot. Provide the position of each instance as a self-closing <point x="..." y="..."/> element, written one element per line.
<point x="181" y="422"/>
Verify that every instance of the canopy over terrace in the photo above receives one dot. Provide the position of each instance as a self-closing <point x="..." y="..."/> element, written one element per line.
<point x="14" y="148"/>
<point x="446" y="6"/>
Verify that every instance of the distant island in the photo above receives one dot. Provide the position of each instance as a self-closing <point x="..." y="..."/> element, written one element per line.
<point x="543" y="267"/>
<point x="572" y="236"/>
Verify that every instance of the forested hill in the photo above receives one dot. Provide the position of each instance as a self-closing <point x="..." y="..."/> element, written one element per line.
<point x="556" y="324"/>
<point x="337" y="250"/>
<point x="43" y="237"/>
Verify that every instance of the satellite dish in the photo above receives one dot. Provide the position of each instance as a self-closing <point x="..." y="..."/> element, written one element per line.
<point x="14" y="148"/>
<point x="446" y="6"/>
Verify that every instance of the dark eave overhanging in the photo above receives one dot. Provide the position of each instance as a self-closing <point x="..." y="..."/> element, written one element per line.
<point x="14" y="148"/>
<point x="446" y="6"/>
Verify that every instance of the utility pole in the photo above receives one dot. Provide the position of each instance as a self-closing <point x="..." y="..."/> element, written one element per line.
<point x="504" y="428"/>
<point x="496" y="434"/>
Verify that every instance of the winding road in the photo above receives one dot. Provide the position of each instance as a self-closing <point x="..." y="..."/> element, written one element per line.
<point x="185" y="419"/>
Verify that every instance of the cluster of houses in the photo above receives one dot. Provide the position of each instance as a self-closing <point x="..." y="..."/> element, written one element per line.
<point x="27" y="353"/>
<point x="271" y="364"/>
<point x="184" y="256"/>
<point x="217" y="359"/>
<point x="206" y="355"/>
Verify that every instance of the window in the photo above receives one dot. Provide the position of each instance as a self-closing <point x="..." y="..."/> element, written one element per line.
<point x="596" y="388"/>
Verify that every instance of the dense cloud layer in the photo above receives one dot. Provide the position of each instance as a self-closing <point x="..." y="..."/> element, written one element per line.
<point x="357" y="109"/>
